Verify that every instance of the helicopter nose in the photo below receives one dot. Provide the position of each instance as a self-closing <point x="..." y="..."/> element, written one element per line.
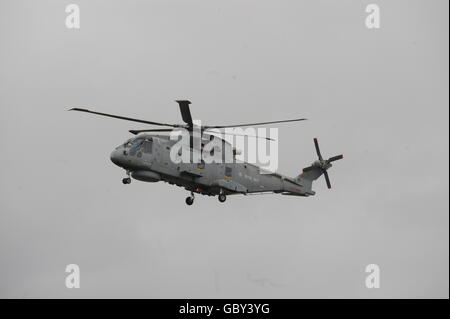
<point x="115" y="157"/>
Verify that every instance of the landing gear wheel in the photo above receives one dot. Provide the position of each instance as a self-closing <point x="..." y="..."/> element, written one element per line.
<point x="222" y="198"/>
<point x="126" y="180"/>
<point x="189" y="200"/>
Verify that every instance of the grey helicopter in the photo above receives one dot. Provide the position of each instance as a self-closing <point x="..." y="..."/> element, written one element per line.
<point x="147" y="157"/>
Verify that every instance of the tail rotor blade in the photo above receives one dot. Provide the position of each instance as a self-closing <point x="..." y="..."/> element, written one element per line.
<point x="327" y="178"/>
<point x="335" y="158"/>
<point x="316" y="144"/>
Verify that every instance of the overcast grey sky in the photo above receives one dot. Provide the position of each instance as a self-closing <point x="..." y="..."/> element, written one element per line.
<point x="378" y="96"/>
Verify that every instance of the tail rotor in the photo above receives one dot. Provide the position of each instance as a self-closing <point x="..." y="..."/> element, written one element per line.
<point x="322" y="164"/>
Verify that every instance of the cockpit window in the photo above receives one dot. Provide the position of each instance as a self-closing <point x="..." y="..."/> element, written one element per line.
<point x="137" y="142"/>
<point x="127" y="143"/>
<point x="134" y="145"/>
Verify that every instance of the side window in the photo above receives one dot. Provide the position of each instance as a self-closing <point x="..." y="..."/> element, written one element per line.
<point x="228" y="171"/>
<point x="148" y="146"/>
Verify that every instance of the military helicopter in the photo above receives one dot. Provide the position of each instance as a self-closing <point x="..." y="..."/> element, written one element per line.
<point x="147" y="157"/>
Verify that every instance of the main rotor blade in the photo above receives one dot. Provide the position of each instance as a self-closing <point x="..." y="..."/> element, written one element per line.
<point x="135" y="132"/>
<point x="123" y="117"/>
<point x="316" y="144"/>
<point x="249" y="135"/>
<point x="335" y="158"/>
<point x="254" y="124"/>
<point x="185" y="111"/>
<point x="327" y="178"/>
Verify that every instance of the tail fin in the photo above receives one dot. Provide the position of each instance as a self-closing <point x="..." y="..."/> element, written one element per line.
<point x="317" y="169"/>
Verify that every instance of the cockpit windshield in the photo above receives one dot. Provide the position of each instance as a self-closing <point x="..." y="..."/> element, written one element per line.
<point x="134" y="142"/>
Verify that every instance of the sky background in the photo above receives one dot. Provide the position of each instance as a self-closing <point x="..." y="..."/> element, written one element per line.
<point x="380" y="97"/>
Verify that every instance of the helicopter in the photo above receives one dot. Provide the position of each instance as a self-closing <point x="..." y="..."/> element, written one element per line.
<point x="148" y="157"/>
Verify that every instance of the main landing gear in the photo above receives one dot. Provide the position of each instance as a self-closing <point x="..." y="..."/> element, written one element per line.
<point x="222" y="198"/>
<point x="190" y="199"/>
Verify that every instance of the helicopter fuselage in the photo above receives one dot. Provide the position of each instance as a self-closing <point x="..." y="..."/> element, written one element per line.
<point x="147" y="158"/>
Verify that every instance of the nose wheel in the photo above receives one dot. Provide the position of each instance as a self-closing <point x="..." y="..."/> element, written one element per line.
<point x="127" y="180"/>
